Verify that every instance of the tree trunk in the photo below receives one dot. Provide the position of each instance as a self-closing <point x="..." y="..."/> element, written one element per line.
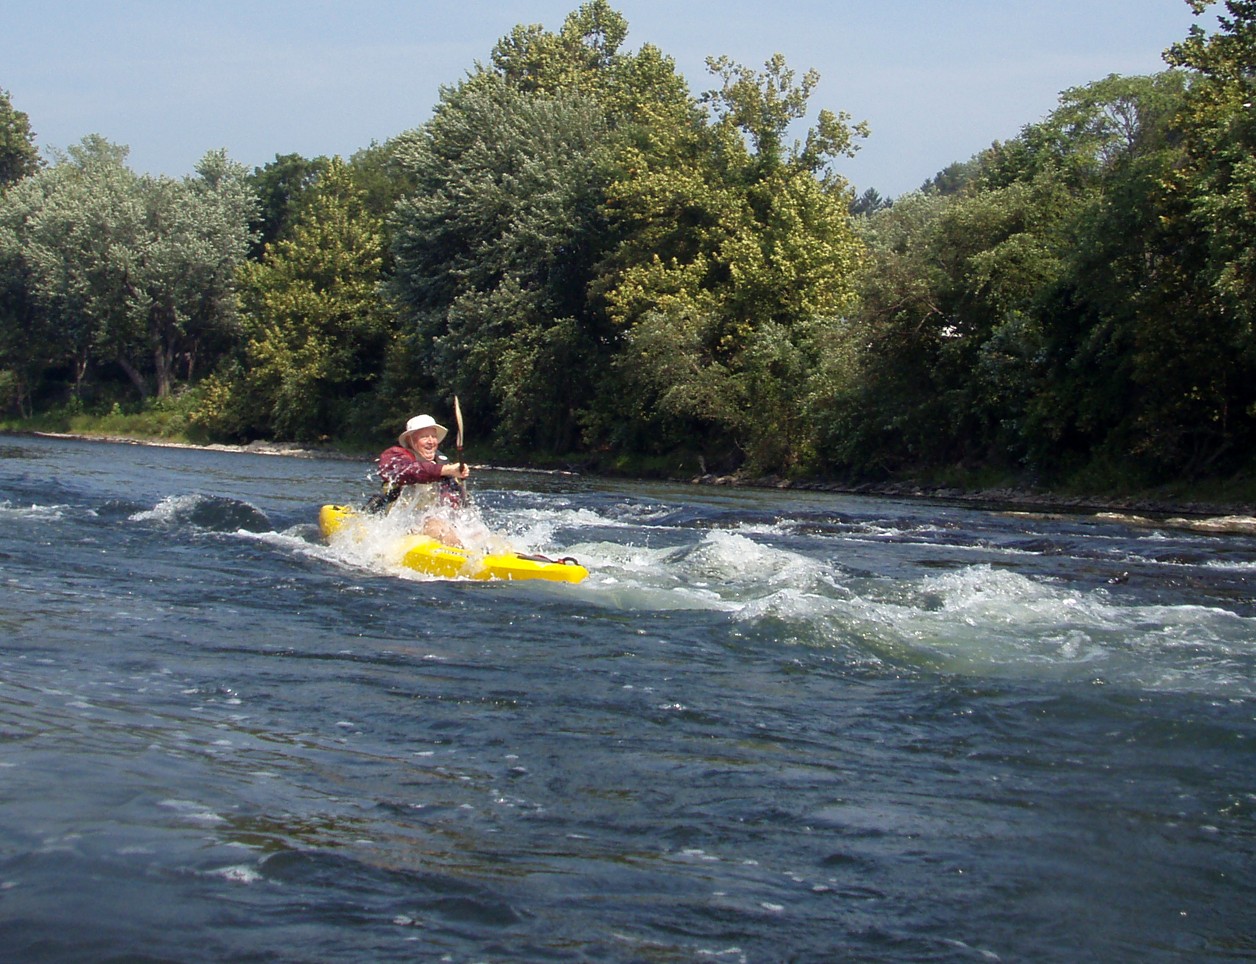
<point x="80" y="373"/>
<point x="133" y="373"/>
<point x="189" y="358"/>
<point x="22" y="389"/>
<point x="163" y="328"/>
<point x="163" y="362"/>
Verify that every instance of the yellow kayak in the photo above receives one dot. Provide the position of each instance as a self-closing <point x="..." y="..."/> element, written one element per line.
<point x="424" y="554"/>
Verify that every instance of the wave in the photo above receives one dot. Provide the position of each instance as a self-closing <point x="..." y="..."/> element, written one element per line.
<point x="987" y="622"/>
<point x="778" y="587"/>
<point x="207" y="512"/>
<point x="1215" y="525"/>
<point x="978" y="619"/>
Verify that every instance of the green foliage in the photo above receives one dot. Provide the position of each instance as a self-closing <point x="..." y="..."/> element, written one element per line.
<point x="869" y="202"/>
<point x="762" y="105"/>
<point x="953" y="178"/>
<point x="280" y="187"/>
<point x="577" y="59"/>
<point x="597" y="260"/>
<point x="314" y="322"/>
<point x="18" y="156"/>
<point x="67" y="237"/>
<point x="133" y="270"/>
<point x="1212" y="195"/>
<point x="494" y="253"/>
<point x="586" y="252"/>
<point x="1063" y="303"/>
<point x="729" y="259"/>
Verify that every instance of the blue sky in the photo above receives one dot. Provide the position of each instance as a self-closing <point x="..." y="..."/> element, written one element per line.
<point x="937" y="80"/>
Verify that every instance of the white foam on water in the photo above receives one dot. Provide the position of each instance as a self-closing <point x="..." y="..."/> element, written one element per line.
<point x="238" y="873"/>
<point x="977" y="619"/>
<point x="519" y="522"/>
<point x="192" y="812"/>
<point x="665" y="578"/>
<point x="38" y="513"/>
<point x="369" y="547"/>
<point x="1232" y="565"/>
<point x="984" y="621"/>
<point x="733" y="557"/>
<point x="168" y="509"/>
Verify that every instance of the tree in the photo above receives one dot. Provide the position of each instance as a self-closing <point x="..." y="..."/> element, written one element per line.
<point x="1050" y="314"/>
<point x="494" y="251"/>
<point x="580" y="57"/>
<point x="132" y="269"/>
<point x="952" y="178"/>
<point x="1212" y="214"/>
<point x="198" y="238"/>
<point x="381" y="177"/>
<point x="280" y="185"/>
<point x="734" y="246"/>
<point x="29" y="345"/>
<point x="177" y="245"/>
<point x="72" y="230"/>
<point x="18" y="155"/>
<point x="315" y="326"/>
<point x="870" y="202"/>
<point x="1100" y="397"/>
<point x="763" y="105"/>
<point x="880" y="410"/>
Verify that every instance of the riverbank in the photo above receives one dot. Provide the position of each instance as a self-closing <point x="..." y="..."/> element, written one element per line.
<point x="290" y="449"/>
<point x="1199" y="516"/>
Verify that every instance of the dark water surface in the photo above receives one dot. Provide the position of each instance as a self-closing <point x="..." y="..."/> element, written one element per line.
<point x="769" y="726"/>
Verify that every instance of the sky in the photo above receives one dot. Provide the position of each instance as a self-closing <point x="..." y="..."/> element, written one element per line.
<point x="936" y="80"/>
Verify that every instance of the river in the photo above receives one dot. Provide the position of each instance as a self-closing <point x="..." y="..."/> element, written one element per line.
<point x="770" y="725"/>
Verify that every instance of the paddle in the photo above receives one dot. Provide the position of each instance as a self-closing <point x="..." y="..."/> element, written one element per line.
<point x="462" y="485"/>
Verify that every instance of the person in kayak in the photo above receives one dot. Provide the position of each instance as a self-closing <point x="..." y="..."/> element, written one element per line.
<point x="417" y="476"/>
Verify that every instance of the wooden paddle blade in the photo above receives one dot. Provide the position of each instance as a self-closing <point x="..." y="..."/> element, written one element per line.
<point x="462" y="485"/>
<point x="458" y="422"/>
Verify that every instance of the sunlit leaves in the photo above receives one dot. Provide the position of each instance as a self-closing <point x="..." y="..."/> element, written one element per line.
<point x="1219" y="124"/>
<point x="315" y="322"/>
<point x="732" y="252"/>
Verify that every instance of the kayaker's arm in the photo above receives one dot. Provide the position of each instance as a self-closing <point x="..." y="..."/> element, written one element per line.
<point x="400" y="467"/>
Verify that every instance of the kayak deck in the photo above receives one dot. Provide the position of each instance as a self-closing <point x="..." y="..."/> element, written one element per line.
<point x="425" y="554"/>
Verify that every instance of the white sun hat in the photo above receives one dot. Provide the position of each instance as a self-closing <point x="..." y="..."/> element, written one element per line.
<point x="417" y="424"/>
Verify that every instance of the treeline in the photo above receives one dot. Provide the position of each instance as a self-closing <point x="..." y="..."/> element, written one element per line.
<point x="602" y="263"/>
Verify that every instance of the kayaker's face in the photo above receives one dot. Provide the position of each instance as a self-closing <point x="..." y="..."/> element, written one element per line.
<point x="424" y="442"/>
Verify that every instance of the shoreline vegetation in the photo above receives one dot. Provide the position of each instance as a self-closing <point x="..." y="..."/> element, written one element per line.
<point x="1148" y="509"/>
<point x="670" y="283"/>
<point x="666" y="288"/>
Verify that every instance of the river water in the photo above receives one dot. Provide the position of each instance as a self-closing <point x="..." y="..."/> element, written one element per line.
<point x="769" y="726"/>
